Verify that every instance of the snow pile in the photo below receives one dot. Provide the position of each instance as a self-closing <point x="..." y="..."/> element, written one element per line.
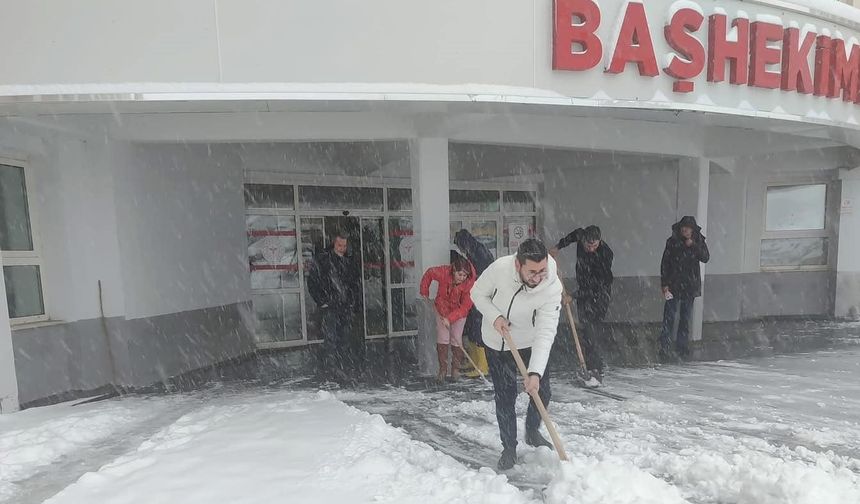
<point x="608" y="481"/>
<point x="286" y="447"/>
<point x="33" y="439"/>
<point x="833" y="8"/>
<point x="750" y="476"/>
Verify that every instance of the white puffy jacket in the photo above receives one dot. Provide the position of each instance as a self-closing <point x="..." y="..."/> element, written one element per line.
<point x="532" y="313"/>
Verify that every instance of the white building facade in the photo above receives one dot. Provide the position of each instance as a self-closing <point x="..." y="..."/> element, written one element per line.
<point x="168" y="168"/>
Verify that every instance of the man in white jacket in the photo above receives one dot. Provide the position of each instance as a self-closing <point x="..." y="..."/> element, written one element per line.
<point x="519" y="295"/>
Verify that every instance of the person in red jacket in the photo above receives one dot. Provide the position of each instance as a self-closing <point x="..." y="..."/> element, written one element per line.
<point x="453" y="303"/>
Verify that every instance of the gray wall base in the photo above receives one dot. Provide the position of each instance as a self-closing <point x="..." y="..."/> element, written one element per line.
<point x="634" y="345"/>
<point x="57" y="362"/>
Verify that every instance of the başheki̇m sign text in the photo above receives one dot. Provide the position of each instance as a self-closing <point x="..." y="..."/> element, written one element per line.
<point x="755" y="53"/>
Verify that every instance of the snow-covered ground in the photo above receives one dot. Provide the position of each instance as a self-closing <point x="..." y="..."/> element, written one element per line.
<point x="767" y="431"/>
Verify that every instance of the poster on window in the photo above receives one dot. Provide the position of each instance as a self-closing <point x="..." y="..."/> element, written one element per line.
<point x="518" y="232"/>
<point x="407" y="257"/>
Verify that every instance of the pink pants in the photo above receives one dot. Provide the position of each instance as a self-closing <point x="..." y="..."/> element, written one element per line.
<point x="452" y="336"/>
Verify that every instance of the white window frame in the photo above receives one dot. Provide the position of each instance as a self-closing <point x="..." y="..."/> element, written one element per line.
<point x="826" y="232"/>
<point x="500" y="215"/>
<point x="27" y="257"/>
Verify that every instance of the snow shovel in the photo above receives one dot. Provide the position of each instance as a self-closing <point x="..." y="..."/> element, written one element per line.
<point x="583" y="374"/>
<point x="472" y="362"/>
<point x="544" y="414"/>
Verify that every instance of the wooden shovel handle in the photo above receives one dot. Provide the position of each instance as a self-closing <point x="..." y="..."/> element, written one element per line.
<point x="544" y="414"/>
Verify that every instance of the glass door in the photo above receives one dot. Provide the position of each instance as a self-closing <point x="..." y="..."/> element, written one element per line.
<point x="373" y="277"/>
<point x="317" y="236"/>
<point x="273" y="261"/>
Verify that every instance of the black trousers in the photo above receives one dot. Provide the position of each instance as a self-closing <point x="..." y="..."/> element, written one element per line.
<point x="343" y="350"/>
<point x="506" y="385"/>
<point x="590" y="314"/>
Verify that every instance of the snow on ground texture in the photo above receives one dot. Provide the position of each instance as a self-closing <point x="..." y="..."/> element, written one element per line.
<point x="769" y="431"/>
<point x="285" y="447"/>
<point x="730" y="432"/>
<point x="33" y="439"/>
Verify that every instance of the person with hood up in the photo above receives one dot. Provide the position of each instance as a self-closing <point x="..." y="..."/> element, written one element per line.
<point x="594" y="287"/>
<point x="681" y="282"/>
<point x="481" y="258"/>
<point x="452" y="304"/>
<point x="520" y="297"/>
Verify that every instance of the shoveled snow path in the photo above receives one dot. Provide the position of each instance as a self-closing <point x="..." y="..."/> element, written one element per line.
<point x="778" y="430"/>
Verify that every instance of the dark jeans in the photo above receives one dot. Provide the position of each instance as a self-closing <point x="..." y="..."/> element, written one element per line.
<point x="507" y="381"/>
<point x="343" y="351"/>
<point x="590" y="323"/>
<point x="682" y="344"/>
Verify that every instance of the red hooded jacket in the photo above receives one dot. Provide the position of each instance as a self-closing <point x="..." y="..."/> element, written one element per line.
<point x="452" y="301"/>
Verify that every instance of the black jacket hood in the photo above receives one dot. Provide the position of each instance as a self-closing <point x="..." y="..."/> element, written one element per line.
<point x="686" y="221"/>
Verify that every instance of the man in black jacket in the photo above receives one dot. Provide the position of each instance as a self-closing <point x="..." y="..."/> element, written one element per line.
<point x="334" y="283"/>
<point x="681" y="281"/>
<point x="594" y="287"/>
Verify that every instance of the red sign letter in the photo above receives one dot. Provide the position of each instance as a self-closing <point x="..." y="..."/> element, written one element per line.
<point x="566" y="34"/>
<point x="846" y="72"/>
<point x="679" y="37"/>
<point x="762" y="55"/>
<point x="823" y="59"/>
<point x="720" y="49"/>
<point x="795" y="61"/>
<point x="634" y="43"/>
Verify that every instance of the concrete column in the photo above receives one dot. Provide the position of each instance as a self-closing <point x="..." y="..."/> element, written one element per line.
<point x="8" y="378"/>
<point x="429" y="163"/>
<point x="848" y="259"/>
<point x="694" y="177"/>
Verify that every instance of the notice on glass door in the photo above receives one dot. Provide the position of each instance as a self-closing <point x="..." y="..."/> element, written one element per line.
<point x="517" y="233"/>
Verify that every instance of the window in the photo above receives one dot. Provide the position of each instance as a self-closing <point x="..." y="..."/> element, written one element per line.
<point x="499" y="219"/>
<point x="340" y="198"/>
<point x="22" y="264"/>
<point x="400" y="200"/>
<point x="473" y="201"/>
<point x="269" y="196"/>
<point x="796" y="232"/>
<point x="273" y="262"/>
<point x="795" y="208"/>
<point x="520" y="201"/>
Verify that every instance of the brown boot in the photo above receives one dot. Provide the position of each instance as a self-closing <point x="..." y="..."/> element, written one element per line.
<point x="456" y="360"/>
<point x="442" y="351"/>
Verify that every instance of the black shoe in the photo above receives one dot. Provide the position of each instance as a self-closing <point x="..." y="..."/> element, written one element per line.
<point x="534" y="438"/>
<point x="508" y="459"/>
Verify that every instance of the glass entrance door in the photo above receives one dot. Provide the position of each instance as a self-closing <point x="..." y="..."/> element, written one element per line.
<point x="367" y="248"/>
<point x="373" y="260"/>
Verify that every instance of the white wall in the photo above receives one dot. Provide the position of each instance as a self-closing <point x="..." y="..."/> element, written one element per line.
<point x="634" y="205"/>
<point x="181" y="220"/>
<point x="726" y="222"/>
<point x="73" y="217"/>
<point x="446" y="42"/>
<point x="352" y="159"/>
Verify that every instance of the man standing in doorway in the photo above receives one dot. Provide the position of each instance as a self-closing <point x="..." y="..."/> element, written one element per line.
<point x="681" y="281"/>
<point x="593" y="288"/>
<point x="519" y="296"/>
<point x="335" y="285"/>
